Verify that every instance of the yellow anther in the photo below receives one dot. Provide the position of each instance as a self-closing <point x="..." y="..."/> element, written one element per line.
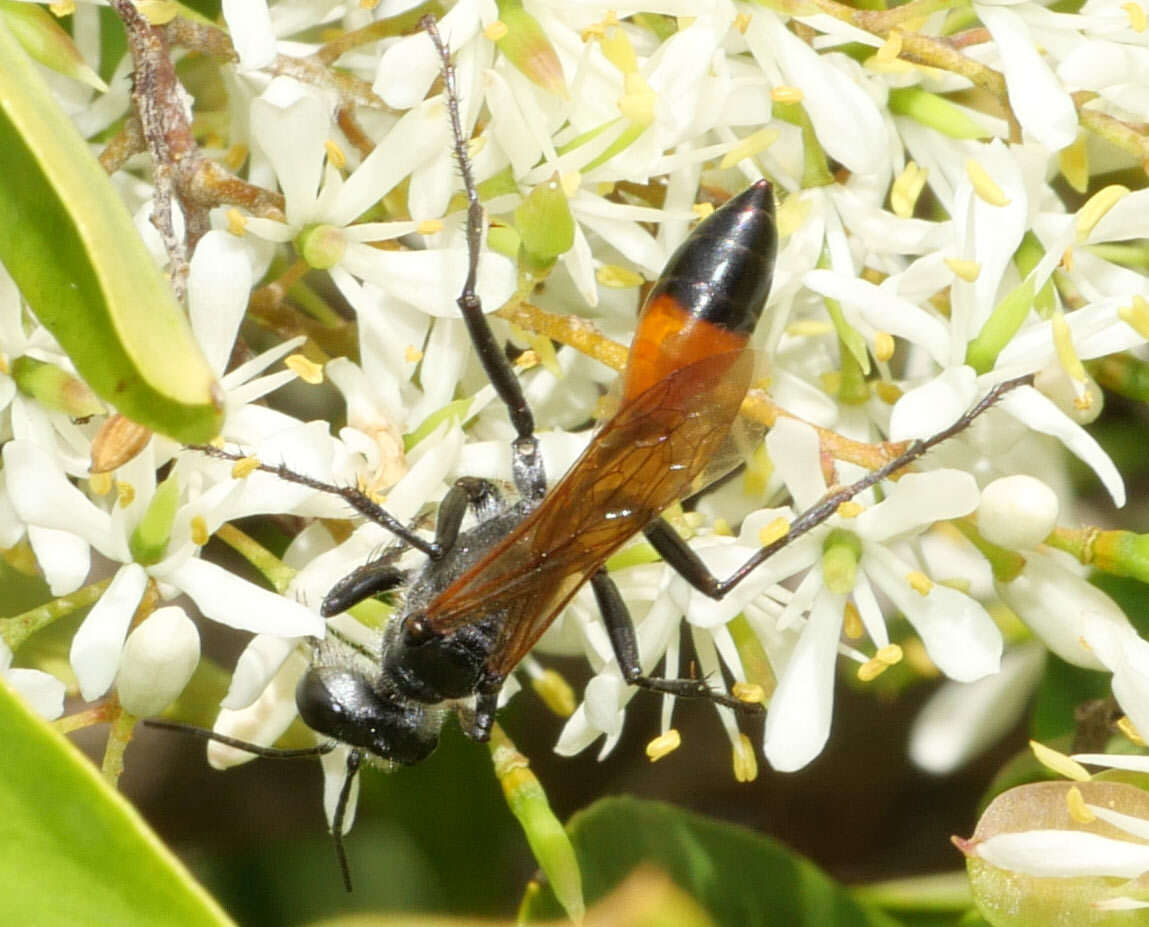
<point x="527" y="359"/>
<point x="984" y="185"/>
<point x="919" y="582"/>
<point x="830" y="381"/>
<point x="125" y="494"/>
<point x="721" y="527"/>
<point x="742" y="22"/>
<point x="770" y="533"/>
<point x="198" y="531"/>
<point x="245" y="467"/>
<point x="745" y="762"/>
<point x="368" y="4"/>
<point x="618" y="278"/>
<point x="786" y="94"/>
<point x="663" y="744"/>
<point x="62" y="8"/>
<point x="1125" y="726"/>
<point x="1136" y="14"/>
<point x="753" y="144"/>
<point x="1067" y="260"/>
<point x="335" y="156"/>
<point x="888" y="392"/>
<point x="906" y="189"/>
<point x="496" y="30"/>
<point x="555" y="692"/>
<point x="964" y="270"/>
<point x="891" y="48"/>
<point x="429" y="227"/>
<point x="412" y="355"/>
<point x="236" y="222"/>
<point x="852" y="625"/>
<point x="1066" y="352"/>
<point x="1096" y="207"/>
<point x="871" y="670"/>
<point x="615" y="45"/>
<point x="1059" y="762"/>
<point x="235" y="156"/>
<point x="1075" y="802"/>
<point x="603" y="188"/>
<point x="891" y="655"/>
<point x="1073" y="162"/>
<point x="570" y="182"/>
<point x="100" y="483"/>
<point x="749" y="692"/>
<point x="809" y="328"/>
<point x="158" y="12"/>
<point x="306" y="369"/>
<point x="637" y="104"/>
<point x="702" y="210"/>
<point x="850" y="509"/>
<point x="883" y="346"/>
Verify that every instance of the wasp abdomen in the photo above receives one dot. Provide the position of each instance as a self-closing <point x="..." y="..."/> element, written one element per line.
<point x="711" y="293"/>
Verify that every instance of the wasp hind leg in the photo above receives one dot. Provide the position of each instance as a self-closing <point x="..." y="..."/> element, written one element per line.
<point x="526" y="462"/>
<point x="620" y="628"/>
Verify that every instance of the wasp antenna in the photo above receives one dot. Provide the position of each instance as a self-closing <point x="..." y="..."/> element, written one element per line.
<point x="354" y="759"/>
<point x="356" y="498"/>
<point x="271" y="753"/>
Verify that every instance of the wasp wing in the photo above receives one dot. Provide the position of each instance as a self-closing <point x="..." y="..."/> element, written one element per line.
<point x="646" y="457"/>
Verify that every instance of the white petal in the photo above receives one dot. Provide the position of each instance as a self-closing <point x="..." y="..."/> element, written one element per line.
<point x="432" y="280"/>
<point x="848" y="123"/>
<point x="1035" y="411"/>
<point x="1065" y="854"/>
<point x="1040" y="103"/>
<point x="798" y="723"/>
<point x="261" y="722"/>
<point x="219" y="284"/>
<point x="958" y="633"/>
<point x="224" y="597"/>
<point x="795" y="451"/>
<point x="63" y="557"/>
<point x="604" y="695"/>
<point x="43" y="692"/>
<point x="917" y="500"/>
<point x="290" y="124"/>
<point x="883" y="310"/>
<point x="961" y="719"/>
<point x="95" y="654"/>
<point x="931" y="408"/>
<point x="42" y="495"/>
<point x="249" y="25"/>
<point x="261" y="659"/>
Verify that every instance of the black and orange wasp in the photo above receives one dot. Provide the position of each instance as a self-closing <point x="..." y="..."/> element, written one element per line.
<point x="485" y="595"/>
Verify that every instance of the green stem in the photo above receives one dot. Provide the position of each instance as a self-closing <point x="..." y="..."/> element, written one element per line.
<point x="16" y="630"/>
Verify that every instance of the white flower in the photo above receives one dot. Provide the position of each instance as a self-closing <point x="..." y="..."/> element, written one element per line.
<point x="42" y="691"/>
<point x="158" y="661"/>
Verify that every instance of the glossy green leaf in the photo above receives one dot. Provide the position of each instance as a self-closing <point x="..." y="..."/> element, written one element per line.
<point x="72" y="850"/>
<point x="69" y="243"/>
<point x="737" y="876"/>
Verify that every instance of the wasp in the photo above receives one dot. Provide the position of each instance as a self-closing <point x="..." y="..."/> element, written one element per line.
<point x="485" y="595"/>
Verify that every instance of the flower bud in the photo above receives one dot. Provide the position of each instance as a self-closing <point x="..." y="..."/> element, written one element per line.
<point x="1017" y="512"/>
<point x="158" y="660"/>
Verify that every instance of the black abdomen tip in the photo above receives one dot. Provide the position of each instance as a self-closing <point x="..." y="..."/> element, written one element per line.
<point x="722" y="272"/>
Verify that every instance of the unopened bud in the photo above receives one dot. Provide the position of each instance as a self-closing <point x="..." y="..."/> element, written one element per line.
<point x="158" y="660"/>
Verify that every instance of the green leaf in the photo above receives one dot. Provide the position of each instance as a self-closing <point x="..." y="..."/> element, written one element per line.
<point x="72" y="850"/>
<point x="68" y="241"/>
<point x="739" y="877"/>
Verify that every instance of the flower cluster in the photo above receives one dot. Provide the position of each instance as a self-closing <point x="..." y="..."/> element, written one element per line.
<point x="941" y="232"/>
